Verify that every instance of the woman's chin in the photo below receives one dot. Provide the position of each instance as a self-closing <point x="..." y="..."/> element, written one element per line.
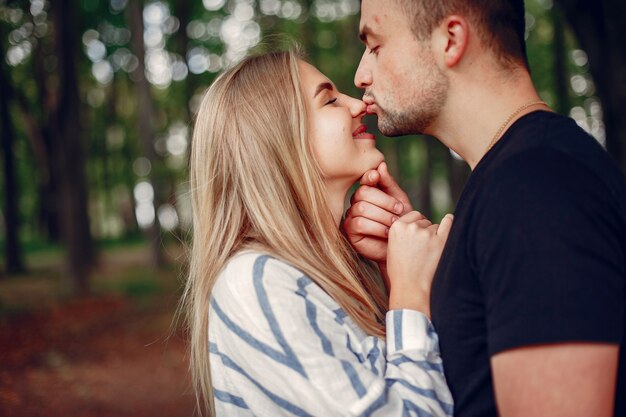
<point x="378" y="161"/>
<point x="373" y="166"/>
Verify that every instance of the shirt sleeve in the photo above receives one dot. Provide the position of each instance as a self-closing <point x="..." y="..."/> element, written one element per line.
<point x="549" y="254"/>
<point x="288" y="351"/>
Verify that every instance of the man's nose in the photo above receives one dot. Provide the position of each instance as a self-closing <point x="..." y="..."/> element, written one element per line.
<point x="363" y="75"/>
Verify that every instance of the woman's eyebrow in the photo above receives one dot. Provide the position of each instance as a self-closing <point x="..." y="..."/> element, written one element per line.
<point x="323" y="86"/>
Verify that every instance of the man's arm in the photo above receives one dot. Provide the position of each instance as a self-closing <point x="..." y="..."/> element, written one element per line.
<point x="549" y="249"/>
<point x="558" y="380"/>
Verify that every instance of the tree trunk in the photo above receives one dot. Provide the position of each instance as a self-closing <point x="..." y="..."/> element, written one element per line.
<point x="182" y="9"/>
<point x="13" y="251"/>
<point x="392" y="151"/>
<point x="41" y="135"/>
<point x="146" y="125"/>
<point x="598" y="26"/>
<point x="110" y="117"/>
<point x="68" y="156"/>
<point x="307" y="33"/>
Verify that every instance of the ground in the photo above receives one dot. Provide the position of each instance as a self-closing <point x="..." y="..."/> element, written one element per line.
<point x="115" y="353"/>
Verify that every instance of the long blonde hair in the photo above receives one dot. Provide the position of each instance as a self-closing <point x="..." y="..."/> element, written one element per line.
<point x="255" y="184"/>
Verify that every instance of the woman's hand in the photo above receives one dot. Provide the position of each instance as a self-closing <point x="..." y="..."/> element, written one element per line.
<point x="414" y="248"/>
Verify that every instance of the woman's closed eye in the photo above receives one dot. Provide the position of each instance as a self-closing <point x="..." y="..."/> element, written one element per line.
<point x="331" y="101"/>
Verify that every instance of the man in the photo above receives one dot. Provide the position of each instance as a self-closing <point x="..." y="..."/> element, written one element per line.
<point x="529" y="296"/>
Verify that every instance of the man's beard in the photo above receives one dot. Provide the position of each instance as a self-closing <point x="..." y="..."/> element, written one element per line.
<point x="418" y="117"/>
<point x="410" y="122"/>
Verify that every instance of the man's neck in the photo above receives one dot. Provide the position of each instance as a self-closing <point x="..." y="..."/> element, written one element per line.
<point x="478" y="107"/>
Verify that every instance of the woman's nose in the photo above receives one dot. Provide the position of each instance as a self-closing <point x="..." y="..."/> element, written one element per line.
<point x="357" y="107"/>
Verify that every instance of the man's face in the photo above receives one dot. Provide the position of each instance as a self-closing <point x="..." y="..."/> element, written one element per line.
<point x="402" y="83"/>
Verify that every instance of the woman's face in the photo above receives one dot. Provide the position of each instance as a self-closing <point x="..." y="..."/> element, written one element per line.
<point x="341" y="146"/>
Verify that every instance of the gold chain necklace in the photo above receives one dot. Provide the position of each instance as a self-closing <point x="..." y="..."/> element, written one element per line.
<point x="508" y="120"/>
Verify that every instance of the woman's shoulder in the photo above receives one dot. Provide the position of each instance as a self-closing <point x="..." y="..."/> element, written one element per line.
<point x="247" y="270"/>
<point x="252" y="277"/>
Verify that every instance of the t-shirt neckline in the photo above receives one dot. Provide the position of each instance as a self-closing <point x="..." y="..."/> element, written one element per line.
<point x="489" y="155"/>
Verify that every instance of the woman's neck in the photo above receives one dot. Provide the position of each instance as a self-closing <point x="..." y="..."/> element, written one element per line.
<point x="336" y="193"/>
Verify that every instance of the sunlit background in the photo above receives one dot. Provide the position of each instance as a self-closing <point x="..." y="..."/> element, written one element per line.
<point x="97" y="106"/>
<point x="182" y="55"/>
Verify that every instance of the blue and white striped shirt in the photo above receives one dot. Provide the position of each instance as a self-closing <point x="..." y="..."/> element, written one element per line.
<point x="280" y="346"/>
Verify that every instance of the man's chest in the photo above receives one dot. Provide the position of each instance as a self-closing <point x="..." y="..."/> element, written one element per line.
<point x="459" y="317"/>
<point x="457" y="301"/>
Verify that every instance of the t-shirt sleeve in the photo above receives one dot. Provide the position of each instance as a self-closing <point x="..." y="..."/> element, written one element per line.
<point x="549" y="254"/>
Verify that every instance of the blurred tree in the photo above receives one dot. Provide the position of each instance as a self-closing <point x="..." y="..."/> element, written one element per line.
<point x="598" y="26"/>
<point x="138" y="77"/>
<point x="562" y="104"/>
<point x="68" y="154"/>
<point x="457" y="173"/>
<point x="145" y="119"/>
<point x="38" y="115"/>
<point x="307" y="33"/>
<point x="13" y="251"/>
<point x="183" y="10"/>
<point x="424" y="202"/>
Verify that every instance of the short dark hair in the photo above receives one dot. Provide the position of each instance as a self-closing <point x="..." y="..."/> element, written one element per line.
<point x="501" y="24"/>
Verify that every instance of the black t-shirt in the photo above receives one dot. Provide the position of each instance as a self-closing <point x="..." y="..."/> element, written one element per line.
<point x="537" y="254"/>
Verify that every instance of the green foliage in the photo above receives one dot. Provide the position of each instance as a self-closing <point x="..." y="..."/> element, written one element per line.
<point x="187" y="45"/>
<point x="140" y="289"/>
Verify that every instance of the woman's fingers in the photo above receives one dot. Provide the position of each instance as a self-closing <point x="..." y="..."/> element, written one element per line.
<point x="442" y="229"/>
<point x="414" y="216"/>
<point x="445" y="226"/>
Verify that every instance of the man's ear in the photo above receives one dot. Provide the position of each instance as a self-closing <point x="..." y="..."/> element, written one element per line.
<point x="450" y="40"/>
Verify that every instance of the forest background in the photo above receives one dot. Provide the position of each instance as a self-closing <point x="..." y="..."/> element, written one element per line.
<point x="97" y="100"/>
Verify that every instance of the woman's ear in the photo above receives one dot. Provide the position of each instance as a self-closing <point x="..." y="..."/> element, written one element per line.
<point x="450" y="40"/>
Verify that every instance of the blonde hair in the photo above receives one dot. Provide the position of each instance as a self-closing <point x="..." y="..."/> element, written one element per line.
<point x="255" y="184"/>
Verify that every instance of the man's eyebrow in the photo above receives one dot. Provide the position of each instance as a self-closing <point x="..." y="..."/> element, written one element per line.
<point x="364" y="33"/>
<point x="322" y="87"/>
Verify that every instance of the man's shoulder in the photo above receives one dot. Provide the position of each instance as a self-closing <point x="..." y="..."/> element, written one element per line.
<point x="547" y="126"/>
<point x="544" y="179"/>
<point x="543" y="169"/>
<point x="543" y="131"/>
<point x="552" y="151"/>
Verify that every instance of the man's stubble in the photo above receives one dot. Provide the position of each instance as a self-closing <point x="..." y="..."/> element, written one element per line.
<point x="418" y="114"/>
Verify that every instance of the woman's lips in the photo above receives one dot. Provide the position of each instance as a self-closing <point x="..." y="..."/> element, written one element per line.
<point x="361" y="133"/>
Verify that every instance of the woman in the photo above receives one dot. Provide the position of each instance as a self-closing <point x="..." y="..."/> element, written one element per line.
<point x="285" y="319"/>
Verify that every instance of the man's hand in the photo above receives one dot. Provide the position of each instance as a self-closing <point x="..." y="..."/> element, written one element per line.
<point x="375" y="205"/>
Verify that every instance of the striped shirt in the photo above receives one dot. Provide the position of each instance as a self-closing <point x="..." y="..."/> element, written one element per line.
<point x="280" y="346"/>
